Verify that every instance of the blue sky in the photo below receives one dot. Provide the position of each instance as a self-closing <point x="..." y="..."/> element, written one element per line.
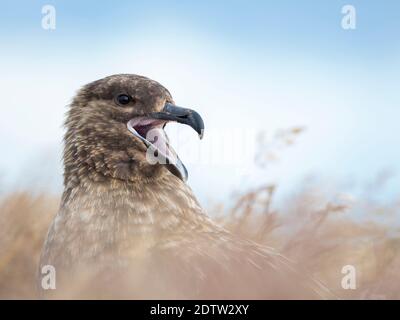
<point x="256" y="65"/>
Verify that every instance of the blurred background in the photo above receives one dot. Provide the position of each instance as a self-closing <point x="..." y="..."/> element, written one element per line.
<point x="294" y="105"/>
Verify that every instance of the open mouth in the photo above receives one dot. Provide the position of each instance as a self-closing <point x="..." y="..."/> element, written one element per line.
<point x="143" y="125"/>
<point x="151" y="131"/>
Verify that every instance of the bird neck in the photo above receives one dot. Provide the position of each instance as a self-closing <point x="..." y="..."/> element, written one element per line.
<point x="158" y="205"/>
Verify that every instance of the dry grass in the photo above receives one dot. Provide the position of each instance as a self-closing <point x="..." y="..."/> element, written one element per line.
<point x="324" y="237"/>
<point x="323" y="240"/>
<point x="24" y="220"/>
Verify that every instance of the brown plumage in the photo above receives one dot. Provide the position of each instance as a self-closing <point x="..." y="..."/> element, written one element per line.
<point x="128" y="228"/>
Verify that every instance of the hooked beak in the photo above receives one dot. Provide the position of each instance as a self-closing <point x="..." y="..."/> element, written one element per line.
<point x="151" y="131"/>
<point x="181" y="115"/>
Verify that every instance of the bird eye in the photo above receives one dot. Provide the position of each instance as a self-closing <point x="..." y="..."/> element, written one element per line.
<point x="124" y="99"/>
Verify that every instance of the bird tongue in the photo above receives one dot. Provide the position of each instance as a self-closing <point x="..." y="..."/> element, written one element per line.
<point x="162" y="152"/>
<point x="159" y="150"/>
<point x="158" y="138"/>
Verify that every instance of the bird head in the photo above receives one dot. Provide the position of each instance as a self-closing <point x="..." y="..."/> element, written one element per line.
<point x="115" y="129"/>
